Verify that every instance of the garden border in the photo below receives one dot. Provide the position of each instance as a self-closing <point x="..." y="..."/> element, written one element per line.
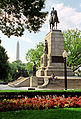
<point x="31" y="94"/>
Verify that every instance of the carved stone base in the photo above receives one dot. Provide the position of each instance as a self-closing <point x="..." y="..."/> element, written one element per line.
<point x="41" y="72"/>
<point x="57" y="71"/>
<point x="33" y="81"/>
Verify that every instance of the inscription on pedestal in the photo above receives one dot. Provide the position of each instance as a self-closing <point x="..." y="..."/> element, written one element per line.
<point x="57" y="59"/>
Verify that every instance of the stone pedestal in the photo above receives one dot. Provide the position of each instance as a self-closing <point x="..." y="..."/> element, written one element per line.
<point x="33" y="81"/>
<point x="52" y="62"/>
<point x="41" y="71"/>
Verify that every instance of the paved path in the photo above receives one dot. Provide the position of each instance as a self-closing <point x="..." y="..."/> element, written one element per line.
<point x="6" y="87"/>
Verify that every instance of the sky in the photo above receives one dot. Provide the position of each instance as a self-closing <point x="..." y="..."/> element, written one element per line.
<point x="69" y="14"/>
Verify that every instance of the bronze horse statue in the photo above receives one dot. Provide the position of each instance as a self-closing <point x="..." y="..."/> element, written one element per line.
<point x="53" y="20"/>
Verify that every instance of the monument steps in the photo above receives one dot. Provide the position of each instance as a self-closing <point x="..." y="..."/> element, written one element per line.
<point x="16" y="81"/>
<point x="56" y="84"/>
<point x="46" y="82"/>
<point x="40" y="81"/>
<point x="60" y="84"/>
<point x="20" y="82"/>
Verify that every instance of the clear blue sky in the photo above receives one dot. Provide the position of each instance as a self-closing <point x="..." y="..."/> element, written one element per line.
<point x="69" y="13"/>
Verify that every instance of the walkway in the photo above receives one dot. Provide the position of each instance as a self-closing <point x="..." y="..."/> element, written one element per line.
<point x="6" y="87"/>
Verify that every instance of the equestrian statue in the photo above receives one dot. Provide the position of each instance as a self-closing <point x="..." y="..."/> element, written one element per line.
<point x="53" y="19"/>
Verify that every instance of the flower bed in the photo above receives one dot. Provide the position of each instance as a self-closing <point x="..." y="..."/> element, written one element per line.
<point x="38" y="104"/>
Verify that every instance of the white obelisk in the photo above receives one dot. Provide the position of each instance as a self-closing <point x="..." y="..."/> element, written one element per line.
<point x="17" y="52"/>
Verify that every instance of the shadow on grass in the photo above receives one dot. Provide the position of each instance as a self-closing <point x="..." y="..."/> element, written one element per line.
<point x="63" y="113"/>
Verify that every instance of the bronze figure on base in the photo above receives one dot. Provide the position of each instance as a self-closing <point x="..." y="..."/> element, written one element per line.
<point x="53" y="19"/>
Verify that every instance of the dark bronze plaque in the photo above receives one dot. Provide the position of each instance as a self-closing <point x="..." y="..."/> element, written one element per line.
<point x="57" y="59"/>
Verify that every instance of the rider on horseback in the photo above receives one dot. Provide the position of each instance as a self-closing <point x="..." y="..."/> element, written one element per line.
<point x="53" y="18"/>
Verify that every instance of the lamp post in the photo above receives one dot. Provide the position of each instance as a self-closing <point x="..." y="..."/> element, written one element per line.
<point x="65" y="54"/>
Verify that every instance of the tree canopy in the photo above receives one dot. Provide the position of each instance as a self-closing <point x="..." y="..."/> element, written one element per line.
<point x="18" y="15"/>
<point x="17" y="70"/>
<point x="34" y="55"/>
<point x="72" y="44"/>
<point x="4" y="64"/>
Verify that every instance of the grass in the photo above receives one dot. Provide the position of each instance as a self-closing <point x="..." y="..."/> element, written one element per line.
<point x="63" y="113"/>
<point x="75" y="90"/>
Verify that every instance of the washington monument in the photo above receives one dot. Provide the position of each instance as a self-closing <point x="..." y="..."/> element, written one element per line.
<point x="17" y="51"/>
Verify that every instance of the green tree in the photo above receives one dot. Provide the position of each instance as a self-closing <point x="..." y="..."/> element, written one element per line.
<point x="29" y="68"/>
<point x="17" y="70"/>
<point x="34" y="55"/>
<point x="72" y="44"/>
<point x="4" y="65"/>
<point x="18" y="15"/>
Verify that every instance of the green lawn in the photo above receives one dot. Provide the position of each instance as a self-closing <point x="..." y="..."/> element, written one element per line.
<point x="75" y="90"/>
<point x="63" y="113"/>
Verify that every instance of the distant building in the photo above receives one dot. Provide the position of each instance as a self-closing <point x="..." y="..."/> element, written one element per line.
<point x="17" y="51"/>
